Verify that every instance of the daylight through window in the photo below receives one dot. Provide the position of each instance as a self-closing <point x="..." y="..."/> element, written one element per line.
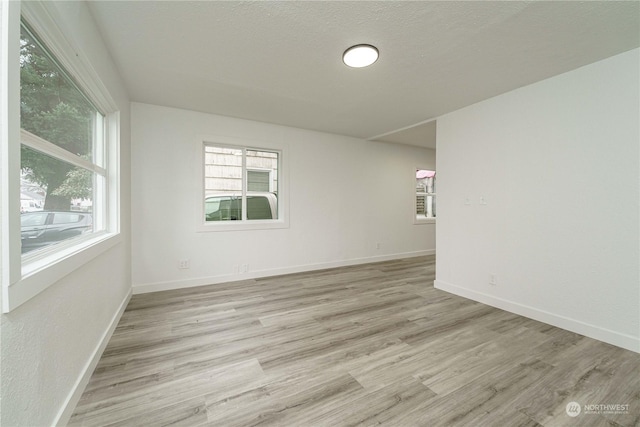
<point x="62" y="156"/>
<point x="425" y="194"/>
<point x="240" y="184"/>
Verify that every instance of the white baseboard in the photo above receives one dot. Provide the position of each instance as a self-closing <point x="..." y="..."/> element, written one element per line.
<point x="212" y="280"/>
<point x="592" y="331"/>
<point x="63" y="417"/>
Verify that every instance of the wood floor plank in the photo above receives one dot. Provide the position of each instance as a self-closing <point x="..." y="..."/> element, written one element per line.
<point x="284" y="401"/>
<point x="190" y="413"/>
<point x="377" y="407"/>
<point x="472" y="402"/>
<point x="230" y="379"/>
<point x="361" y="345"/>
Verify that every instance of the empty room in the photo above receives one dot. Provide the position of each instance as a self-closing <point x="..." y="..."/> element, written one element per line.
<point x="322" y="213"/>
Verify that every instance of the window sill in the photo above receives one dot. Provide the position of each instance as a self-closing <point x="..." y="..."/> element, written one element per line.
<point x="422" y="221"/>
<point x="43" y="270"/>
<point x="242" y="225"/>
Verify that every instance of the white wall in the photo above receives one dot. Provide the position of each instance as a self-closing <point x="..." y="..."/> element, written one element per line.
<point x="345" y="195"/>
<point x="558" y="165"/>
<point x="49" y="342"/>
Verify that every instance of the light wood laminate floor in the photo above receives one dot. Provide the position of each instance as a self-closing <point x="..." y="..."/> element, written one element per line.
<point x="362" y="345"/>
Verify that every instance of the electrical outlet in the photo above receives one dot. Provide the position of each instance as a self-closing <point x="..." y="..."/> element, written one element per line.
<point x="184" y="264"/>
<point x="244" y="268"/>
<point x="493" y="279"/>
<point x="378" y="245"/>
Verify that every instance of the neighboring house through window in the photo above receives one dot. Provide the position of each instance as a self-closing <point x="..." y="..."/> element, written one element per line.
<point x="241" y="187"/>
<point x="259" y="180"/>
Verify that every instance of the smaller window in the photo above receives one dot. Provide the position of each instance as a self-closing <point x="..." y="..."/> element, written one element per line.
<point x="240" y="184"/>
<point x="425" y="195"/>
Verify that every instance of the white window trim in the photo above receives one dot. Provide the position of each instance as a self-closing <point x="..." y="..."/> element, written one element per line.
<point x="425" y="220"/>
<point x="46" y="147"/>
<point x="23" y="280"/>
<point x="283" y="183"/>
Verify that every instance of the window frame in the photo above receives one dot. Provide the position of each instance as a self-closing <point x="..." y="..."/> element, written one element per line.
<point x="425" y="220"/>
<point x="247" y="224"/>
<point x="23" y="277"/>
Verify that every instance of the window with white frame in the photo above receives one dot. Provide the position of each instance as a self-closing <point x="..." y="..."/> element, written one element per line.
<point x="62" y="155"/>
<point x="240" y="184"/>
<point x="425" y="195"/>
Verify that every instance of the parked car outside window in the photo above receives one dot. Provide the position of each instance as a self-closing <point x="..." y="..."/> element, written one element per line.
<point x="228" y="207"/>
<point x="40" y="229"/>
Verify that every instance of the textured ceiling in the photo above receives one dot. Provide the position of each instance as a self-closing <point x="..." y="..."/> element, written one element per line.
<point x="280" y="62"/>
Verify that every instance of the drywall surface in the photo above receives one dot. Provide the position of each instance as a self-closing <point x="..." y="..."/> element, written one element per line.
<point x="538" y="192"/>
<point x="49" y="341"/>
<point x="345" y="195"/>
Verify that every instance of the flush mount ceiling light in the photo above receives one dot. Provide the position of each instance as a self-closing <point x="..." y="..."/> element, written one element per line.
<point x="360" y="55"/>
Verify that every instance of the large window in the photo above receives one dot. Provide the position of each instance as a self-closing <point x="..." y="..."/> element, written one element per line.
<point x="62" y="158"/>
<point x="240" y="184"/>
<point x="59" y="155"/>
<point x="425" y="195"/>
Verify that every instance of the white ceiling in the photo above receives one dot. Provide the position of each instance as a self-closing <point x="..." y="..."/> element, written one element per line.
<point x="280" y="62"/>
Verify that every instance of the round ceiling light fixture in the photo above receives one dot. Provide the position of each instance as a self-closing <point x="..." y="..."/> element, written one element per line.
<point x="360" y="55"/>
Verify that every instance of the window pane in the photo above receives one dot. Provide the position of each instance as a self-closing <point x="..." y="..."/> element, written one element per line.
<point x="431" y="207"/>
<point x="262" y="206"/>
<point x="223" y="208"/>
<point x="420" y="206"/>
<point x="425" y="194"/>
<point x="425" y="206"/>
<point x="59" y="187"/>
<point x="222" y="170"/>
<point x="265" y="181"/>
<point x="231" y="172"/>
<point x="223" y="183"/>
<point x="257" y="180"/>
<point x="51" y="105"/>
<point x="266" y="178"/>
